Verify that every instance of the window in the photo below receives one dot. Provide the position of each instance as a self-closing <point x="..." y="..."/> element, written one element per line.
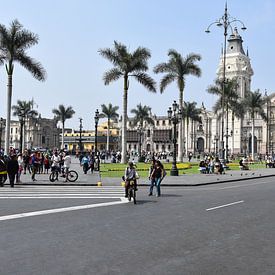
<point x="129" y="147"/>
<point x="169" y="147"/>
<point x="157" y="147"/>
<point x="163" y="123"/>
<point x="135" y="147"/>
<point x="11" y="130"/>
<point x="157" y="122"/>
<point x="16" y="130"/>
<point x="148" y="133"/>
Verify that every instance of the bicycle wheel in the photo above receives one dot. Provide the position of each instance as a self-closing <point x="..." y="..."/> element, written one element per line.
<point x="130" y="194"/>
<point x="72" y="176"/>
<point x="53" y="177"/>
<point x="134" y="197"/>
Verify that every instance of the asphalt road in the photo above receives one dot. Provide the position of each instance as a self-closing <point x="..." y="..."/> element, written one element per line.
<point x="215" y="229"/>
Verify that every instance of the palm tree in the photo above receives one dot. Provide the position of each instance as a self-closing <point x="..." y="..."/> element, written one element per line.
<point x="14" y="41"/>
<point x="127" y="65"/>
<point x="62" y="114"/>
<point x="253" y="103"/>
<point x="228" y="97"/>
<point x="109" y="112"/>
<point x="176" y="69"/>
<point x="142" y="114"/>
<point x="23" y="110"/>
<point x="190" y="112"/>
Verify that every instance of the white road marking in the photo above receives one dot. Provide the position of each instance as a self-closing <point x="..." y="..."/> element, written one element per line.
<point x="52" y="192"/>
<point x="225" y="205"/>
<point x="59" y="210"/>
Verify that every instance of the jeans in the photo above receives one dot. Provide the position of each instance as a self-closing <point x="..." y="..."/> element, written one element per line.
<point x="155" y="182"/>
<point x="158" y="181"/>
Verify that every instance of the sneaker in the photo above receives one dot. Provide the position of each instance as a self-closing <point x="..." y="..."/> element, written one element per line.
<point x="126" y="196"/>
<point x="150" y="194"/>
<point x="157" y="195"/>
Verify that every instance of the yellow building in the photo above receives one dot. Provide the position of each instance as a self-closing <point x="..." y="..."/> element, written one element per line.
<point x="73" y="139"/>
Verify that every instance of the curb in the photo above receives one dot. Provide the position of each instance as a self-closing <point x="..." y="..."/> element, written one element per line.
<point x="143" y="184"/>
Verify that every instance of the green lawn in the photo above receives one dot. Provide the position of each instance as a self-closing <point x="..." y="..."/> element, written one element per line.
<point x="117" y="169"/>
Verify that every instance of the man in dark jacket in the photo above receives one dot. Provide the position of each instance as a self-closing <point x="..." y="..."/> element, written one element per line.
<point x="12" y="168"/>
<point x="3" y="171"/>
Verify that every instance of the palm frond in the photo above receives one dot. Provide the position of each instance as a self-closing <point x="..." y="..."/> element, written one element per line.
<point x="33" y="66"/>
<point x="146" y="81"/>
<point x="112" y="75"/>
<point x="166" y="80"/>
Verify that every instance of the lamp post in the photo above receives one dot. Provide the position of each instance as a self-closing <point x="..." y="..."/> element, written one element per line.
<point x="96" y="124"/>
<point x="1" y="125"/>
<point x="174" y="115"/>
<point x="225" y="21"/>
<point x="216" y="138"/>
<point x="139" y="131"/>
<point x="21" y="121"/>
<point x="80" y="134"/>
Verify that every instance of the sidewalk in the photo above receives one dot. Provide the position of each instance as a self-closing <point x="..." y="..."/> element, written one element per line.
<point x="181" y="180"/>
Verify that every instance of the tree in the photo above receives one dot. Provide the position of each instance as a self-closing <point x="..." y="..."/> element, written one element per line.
<point x="127" y="65"/>
<point x="253" y="103"/>
<point x="190" y="112"/>
<point x="62" y="114"/>
<point x="142" y="114"/>
<point x="109" y="112"/>
<point x="24" y="111"/>
<point x="176" y="69"/>
<point x="14" y="41"/>
<point x="228" y="97"/>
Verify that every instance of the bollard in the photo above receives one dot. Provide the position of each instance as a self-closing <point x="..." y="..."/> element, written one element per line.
<point x="99" y="183"/>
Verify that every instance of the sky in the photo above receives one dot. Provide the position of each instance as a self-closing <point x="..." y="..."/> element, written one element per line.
<point x="71" y="33"/>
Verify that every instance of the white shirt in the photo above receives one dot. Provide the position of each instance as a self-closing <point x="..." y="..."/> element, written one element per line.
<point x="55" y="160"/>
<point x="67" y="161"/>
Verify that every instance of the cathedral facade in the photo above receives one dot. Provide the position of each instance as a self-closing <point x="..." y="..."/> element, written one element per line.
<point x="206" y="136"/>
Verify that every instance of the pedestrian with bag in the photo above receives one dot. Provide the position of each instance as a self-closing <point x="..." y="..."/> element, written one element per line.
<point x="158" y="174"/>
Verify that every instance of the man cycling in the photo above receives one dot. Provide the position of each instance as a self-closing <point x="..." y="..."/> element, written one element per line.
<point x="55" y="163"/>
<point x="130" y="174"/>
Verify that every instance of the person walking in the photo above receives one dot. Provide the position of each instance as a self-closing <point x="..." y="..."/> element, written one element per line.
<point x="21" y="165"/>
<point x="34" y="165"/>
<point x="12" y="169"/>
<point x="3" y="171"/>
<point x="158" y="174"/>
<point x="152" y="177"/>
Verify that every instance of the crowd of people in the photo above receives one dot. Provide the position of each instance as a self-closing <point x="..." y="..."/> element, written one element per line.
<point x="31" y="162"/>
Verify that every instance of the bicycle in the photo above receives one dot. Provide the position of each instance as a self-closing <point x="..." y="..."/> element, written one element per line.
<point x="132" y="191"/>
<point x="71" y="176"/>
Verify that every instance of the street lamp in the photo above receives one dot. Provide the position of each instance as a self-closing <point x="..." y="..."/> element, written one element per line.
<point x="174" y="115"/>
<point x="1" y="125"/>
<point x="21" y="121"/>
<point x="225" y="21"/>
<point x="216" y="138"/>
<point x="80" y="134"/>
<point x="139" y="131"/>
<point x="96" y="124"/>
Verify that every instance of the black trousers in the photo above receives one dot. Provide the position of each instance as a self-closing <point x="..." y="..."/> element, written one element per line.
<point x="12" y="179"/>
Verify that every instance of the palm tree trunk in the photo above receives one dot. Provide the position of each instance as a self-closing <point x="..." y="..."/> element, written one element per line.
<point x="108" y="135"/>
<point x="180" y="136"/>
<point x="187" y="135"/>
<point x="8" y="120"/>
<point x="233" y="126"/>
<point x="252" y="138"/>
<point x="21" y="136"/>
<point x="124" y="123"/>
<point x="226" y="133"/>
<point x="63" y="128"/>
